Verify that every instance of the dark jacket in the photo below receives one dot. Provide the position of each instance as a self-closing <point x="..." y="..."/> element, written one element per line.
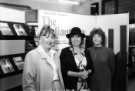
<point x="68" y="64"/>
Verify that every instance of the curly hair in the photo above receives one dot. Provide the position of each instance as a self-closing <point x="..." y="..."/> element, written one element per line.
<point x="100" y="32"/>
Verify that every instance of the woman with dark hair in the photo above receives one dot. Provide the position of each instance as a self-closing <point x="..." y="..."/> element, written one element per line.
<point x="103" y="61"/>
<point x="76" y="64"/>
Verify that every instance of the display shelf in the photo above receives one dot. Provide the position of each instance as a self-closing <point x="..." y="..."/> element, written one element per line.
<point x="12" y="55"/>
<point x="13" y="63"/>
<point x="11" y="81"/>
<point x="10" y="22"/>
<point x="14" y="34"/>
<point x="13" y="48"/>
<point x="14" y="29"/>
<point x="10" y="74"/>
<point x="16" y="37"/>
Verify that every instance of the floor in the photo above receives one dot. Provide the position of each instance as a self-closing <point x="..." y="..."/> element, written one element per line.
<point x="19" y="88"/>
<point x="131" y="84"/>
<point x="131" y="80"/>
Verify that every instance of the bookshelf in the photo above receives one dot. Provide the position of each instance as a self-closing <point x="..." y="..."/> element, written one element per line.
<point x="16" y="40"/>
<point x="13" y="47"/>
<point x="131" y="50"/>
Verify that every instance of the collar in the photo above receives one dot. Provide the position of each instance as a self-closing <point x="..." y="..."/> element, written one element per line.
<point x="41" y="51"/>
<point x="46" y="56"/>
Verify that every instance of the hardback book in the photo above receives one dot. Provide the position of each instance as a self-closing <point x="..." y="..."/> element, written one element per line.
<point x="5" y="29"/>
<point x="20" y="31"/>
<point x="6" y="66"/>
<point x="18" y="62"/>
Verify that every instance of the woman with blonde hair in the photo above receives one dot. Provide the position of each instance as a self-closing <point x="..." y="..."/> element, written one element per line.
<point x="42" y="67"/>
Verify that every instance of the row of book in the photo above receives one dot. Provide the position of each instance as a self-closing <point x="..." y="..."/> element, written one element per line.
<point x="16" y="30"/>
<point x="8" y="65"/>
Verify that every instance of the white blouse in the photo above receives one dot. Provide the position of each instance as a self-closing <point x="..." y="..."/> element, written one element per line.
<point x="80" y="60"/>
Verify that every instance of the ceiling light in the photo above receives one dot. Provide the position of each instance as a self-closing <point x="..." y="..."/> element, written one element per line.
<point x="69" y="2"/>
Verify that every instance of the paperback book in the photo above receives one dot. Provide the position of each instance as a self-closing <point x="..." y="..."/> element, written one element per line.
<point x="6" y="65"/>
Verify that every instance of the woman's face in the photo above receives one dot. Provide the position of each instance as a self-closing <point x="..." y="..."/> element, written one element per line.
<point x="76" y="40"/>
<point x="97" y="39"/>
<point x="48" y="41"/>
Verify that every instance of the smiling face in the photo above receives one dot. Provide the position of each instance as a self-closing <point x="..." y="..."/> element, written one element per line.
<point x="48" y="38"/>
<point x="76" y="40"/>
<point x="48" y="42"/>
<point x="97" y="39"/>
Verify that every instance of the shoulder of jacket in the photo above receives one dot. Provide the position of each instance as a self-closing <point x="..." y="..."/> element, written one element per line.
<point x="110" y="51"/>
<point x="65" y="49"/>
<point x="32" y="52"/>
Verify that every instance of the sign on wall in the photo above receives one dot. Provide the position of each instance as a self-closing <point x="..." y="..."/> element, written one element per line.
<point x="63" y="22"/>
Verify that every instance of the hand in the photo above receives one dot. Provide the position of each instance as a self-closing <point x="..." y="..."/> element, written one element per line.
<point x="89" y="71"/>
<point x="83" y="74"/>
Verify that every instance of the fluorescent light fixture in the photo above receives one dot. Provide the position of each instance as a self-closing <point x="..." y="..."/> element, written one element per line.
<point x="69" y="2"/>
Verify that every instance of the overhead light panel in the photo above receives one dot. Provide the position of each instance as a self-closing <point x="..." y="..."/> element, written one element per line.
<point x="74" y="2"/>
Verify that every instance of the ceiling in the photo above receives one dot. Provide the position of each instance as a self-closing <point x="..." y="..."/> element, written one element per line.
<point x="82" y="8"/>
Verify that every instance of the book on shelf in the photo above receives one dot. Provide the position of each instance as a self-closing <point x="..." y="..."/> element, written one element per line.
<point x="18" y="62"/>
<point x="6" y="65"/>
<point x="19" y="29"/>
<point x="5" y="29"/>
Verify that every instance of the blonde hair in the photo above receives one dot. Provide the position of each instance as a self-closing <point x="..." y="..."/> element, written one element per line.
<point x="47" y="31"/>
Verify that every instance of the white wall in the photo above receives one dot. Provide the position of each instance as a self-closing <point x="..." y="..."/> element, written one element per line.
<point x="114" y="21"/>
<point x="12" y="15"/>
<point x="63" y="22"/>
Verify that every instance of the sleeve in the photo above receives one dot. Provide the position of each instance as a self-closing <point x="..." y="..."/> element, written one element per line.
<point x="89" y="60"/>
<point x="59" y="70"/>
<point x="63" y="63"/>
<point x="111" y="61"/>
<point x="65" y="59"/>
<point x="29" y="74"/>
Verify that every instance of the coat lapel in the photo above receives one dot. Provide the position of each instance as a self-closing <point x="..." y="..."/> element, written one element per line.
<point x="43" y="56"/>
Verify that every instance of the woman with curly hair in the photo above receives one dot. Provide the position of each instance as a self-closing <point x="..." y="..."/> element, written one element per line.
<point x="103" y="61"/>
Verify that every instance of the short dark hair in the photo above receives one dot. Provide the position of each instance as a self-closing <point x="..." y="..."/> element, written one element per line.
<point x="82" y="40"/>
<point x="100" y="32"/>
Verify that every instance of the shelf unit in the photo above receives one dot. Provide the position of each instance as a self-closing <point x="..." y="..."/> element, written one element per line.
<point x="131" y="48"/>
<point x="12" y="52"/>
<point x="16" y="39"/>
